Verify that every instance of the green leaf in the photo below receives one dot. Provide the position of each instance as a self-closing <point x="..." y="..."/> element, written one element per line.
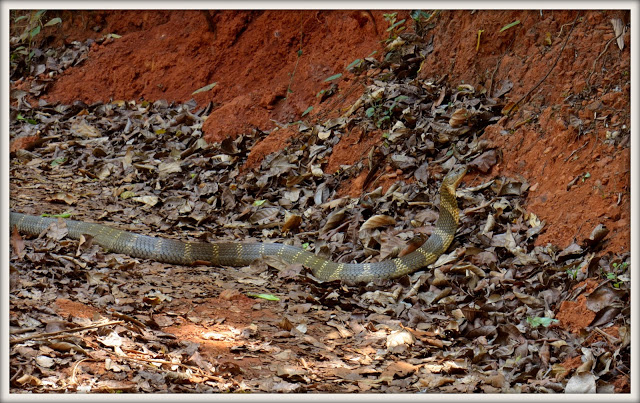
<point x="53" y="21"/>
<point x="370" y="111"/>
<point x="268" y="297"/>
<point x="544" y="321"/>
<point x="22" y="17"/>
<point x="259" y="203"/>
<point x="396" y="24"/>
<point x="205" y="88"/>
<point x="353" y="63"/>
<point x="305" y="245"/>
<point x="39" y="13"/>
<point x="58" y="161"/>
<point x="299" y="52"/>
<point x="309" y="109"/>
<point x="63" y="215"/>
<point x="513" y="24"/>
<point x="418" y="14"/>
<point x="114" y="36"/>
<point x="35" y="31"/>
<point x="333" y="77"/>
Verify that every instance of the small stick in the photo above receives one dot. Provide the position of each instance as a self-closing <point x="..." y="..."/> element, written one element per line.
<point x="593" y="67"/>
<point x="78" y="329"/>
<point x="576" y="150"/>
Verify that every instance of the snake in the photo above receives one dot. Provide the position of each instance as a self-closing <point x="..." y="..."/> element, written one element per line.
<point x="244" y="253"/>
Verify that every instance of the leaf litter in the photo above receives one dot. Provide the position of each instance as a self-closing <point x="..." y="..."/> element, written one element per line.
<point x="486" y="317"/>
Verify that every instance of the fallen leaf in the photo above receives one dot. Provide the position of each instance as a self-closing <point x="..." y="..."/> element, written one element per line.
<point x="581" y="383"/>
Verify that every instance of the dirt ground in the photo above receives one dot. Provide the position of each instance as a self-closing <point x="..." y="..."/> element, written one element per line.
<point x="568" y="138"/>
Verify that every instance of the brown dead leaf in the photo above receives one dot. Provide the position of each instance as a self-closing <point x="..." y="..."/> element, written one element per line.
<point x="601" y="297"/>
<point x="28" y="380"/>
<point x="398" y="369"/>
<point x="64" y="198"/>
<point x="377" y="221"/>
<point x="57" y="230"/>
<point x="17" y="243"/>
<point x="399" y="338"/>
<point x="292" y="221"/>
<point x="458" y="117"/>
<point x="485" y="161"/>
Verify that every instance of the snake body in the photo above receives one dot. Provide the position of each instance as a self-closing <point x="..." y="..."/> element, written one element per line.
<point x="242" y="254"/>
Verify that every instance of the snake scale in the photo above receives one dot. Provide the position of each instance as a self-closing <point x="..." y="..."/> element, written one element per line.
<point x="242" y="254"/>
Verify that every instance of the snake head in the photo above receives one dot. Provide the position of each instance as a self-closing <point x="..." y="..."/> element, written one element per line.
<point x="454" y="176"/>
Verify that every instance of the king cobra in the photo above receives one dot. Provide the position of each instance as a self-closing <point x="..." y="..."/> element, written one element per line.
<point x="242" y="254"/>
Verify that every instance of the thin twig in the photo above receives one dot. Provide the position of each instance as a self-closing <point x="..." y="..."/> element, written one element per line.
<point x="73" y="380"/>
<point x="576" y="150"/>
<point x="513" y="108"/>
<point x="50" y="334"/>
<point x="197" y="370"/>
<point x="611" y="339"/>
<point x="593" y="67"/>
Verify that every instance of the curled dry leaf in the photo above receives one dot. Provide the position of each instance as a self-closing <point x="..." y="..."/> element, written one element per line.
<point x="458" y="118"/>
<point x="64" y="197"/>
<point x="597" y="235"/>
<point x="334" y="219"/>
<point x="148" y="200"/>
<point x="264" y="215"/>
<point x="602" y="297"/>
<point x="398" y="338"/>
<point x="292" y="221"/>
<point x="377" y="221"/>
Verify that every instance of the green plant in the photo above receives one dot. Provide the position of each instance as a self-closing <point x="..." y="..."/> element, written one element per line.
<point x="618" y="275"/>
<point x="309" y="109"/>
<point x="573" y="272"/>
<point x="30" y="25"/>
<point x="395" y="27"/>
<point x="380" y="114"/>
<point x="28" y="120"/>
<point x="622" y="267"/>
<point x="511" y="25"/>
<point x="421" y="21"/>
